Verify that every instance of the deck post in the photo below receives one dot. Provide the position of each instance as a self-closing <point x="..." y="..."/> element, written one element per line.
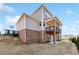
<point x="54" y="38"/>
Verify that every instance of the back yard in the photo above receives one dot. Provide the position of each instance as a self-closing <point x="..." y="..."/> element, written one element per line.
<point x="13" y="46"/>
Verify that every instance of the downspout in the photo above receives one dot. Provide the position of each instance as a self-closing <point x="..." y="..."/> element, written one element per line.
<point x="42" y="27"/>
<point x="25" y="22"/>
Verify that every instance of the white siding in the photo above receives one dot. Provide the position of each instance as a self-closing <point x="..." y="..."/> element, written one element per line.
<point x="46" y="14"/>
<point x="32" y="24"/>
<point x="20" y="24"/>
<point x="46" y="25"/>
<point x="38" y="15"/>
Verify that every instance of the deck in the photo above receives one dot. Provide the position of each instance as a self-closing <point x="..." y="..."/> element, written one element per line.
<point x="52" y="29"/>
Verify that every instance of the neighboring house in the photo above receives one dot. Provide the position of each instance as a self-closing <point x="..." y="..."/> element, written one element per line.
<point x="41" y="26"/>
<point x="11" y="32"/>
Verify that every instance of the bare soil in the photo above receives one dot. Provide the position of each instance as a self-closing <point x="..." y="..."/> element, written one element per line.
<point x="13" y="46"/>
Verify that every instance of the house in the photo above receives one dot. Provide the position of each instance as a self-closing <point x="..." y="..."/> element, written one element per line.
<point x="39" y="27"/>
<point x="11" y="32"/>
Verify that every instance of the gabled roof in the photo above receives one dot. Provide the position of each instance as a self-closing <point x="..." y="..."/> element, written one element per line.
<point x="57" y="19"/>
<point x="42" y="6"/>
<point x="54" y="18"/>
<point x="24" y="14"/>
<point x="20" y="17"/>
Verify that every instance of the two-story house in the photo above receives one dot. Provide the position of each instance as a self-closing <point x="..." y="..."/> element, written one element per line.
<point x="41" y="26"/>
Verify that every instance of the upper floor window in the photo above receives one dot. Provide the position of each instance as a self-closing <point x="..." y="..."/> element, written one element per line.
<point x="41" y="23"/>
<point x="46" y="15"/>
<point x="44" y="24"/>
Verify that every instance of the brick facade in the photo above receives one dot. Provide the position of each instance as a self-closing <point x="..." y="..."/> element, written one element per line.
<point x="31" y="36"/>
<point x="22" y="35"/>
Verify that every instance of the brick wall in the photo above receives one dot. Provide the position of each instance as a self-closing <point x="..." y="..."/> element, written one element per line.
<point x="22" y="35"/>
<point x="45" y="37"/>
<point x="32" y="36"/>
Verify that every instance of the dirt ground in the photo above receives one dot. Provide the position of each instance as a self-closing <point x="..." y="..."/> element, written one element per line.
<point x="13" y="46"/>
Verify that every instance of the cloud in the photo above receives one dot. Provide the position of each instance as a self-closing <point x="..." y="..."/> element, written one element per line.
<point x="6" y="9"/>
<point x="69" y="11"/>
<point x="1" y="27"/>
<point x="71" y="29"/>
<point x="12" y="20"/>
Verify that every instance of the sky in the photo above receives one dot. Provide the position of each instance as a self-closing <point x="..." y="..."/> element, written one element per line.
<point x="68" y="13"/>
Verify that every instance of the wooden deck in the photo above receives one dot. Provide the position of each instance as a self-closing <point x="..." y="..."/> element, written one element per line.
<point x="52" y="29"/>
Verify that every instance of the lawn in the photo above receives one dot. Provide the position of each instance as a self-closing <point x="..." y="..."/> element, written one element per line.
<point x="13" y="46"/>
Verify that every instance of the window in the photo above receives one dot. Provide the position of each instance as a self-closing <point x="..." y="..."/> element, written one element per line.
<point x="40" y="24"/>
<point x="44" y="24"/>
<point x="45" y="15"/>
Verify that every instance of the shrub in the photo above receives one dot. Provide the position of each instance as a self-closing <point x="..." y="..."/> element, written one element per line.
<point x="76" y="41"/>
<point x="71" y="39"/>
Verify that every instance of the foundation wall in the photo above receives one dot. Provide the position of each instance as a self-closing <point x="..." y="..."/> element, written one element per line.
<point x="46" y="37"/>
<point x="31" y="36"/>
<point x="22" y="35"/>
